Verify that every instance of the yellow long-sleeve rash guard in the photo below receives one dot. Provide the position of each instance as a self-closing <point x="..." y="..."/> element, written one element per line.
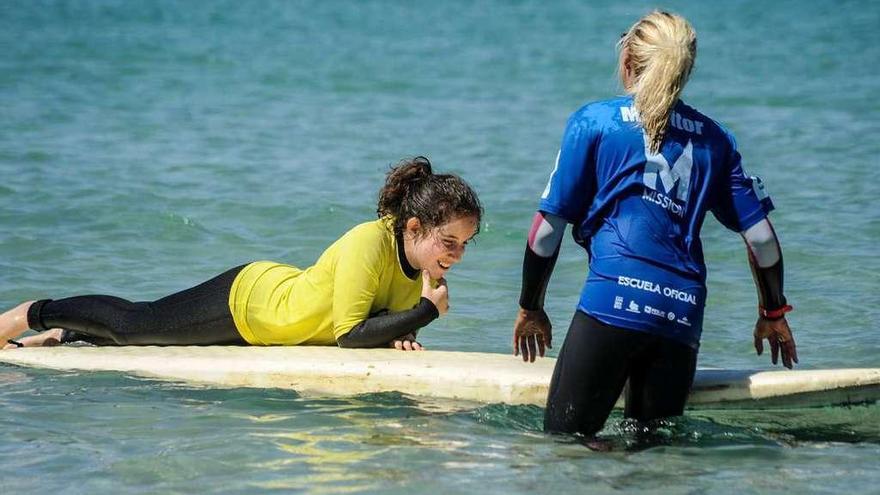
<point x="357" y="276"/>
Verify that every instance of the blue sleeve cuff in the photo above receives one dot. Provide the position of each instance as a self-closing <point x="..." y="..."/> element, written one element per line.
<point x="553" y="209"/>
<point x="757" y="215"/>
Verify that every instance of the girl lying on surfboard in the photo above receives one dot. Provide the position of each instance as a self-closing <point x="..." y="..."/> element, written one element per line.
<point x="374" y="287"/>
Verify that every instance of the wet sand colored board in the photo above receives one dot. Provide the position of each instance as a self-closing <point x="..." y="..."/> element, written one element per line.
<point x="460" y="376"/>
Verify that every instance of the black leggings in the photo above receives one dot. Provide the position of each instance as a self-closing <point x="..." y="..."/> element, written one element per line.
<point x="594" y="364"/>
<point x="196" y="316"/>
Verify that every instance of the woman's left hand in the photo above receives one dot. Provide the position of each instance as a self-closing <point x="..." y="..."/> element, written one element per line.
<point x="406" y="343"/>
<point x="778" y="334"/>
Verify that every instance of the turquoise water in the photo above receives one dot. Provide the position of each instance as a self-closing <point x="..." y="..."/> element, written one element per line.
<point x="145" y="147"/>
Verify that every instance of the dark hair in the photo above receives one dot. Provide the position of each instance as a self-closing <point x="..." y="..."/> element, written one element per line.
<point x="412" y="189"/>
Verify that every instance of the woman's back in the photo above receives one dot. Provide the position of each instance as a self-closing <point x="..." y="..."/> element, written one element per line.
<point x="642" y="211"/>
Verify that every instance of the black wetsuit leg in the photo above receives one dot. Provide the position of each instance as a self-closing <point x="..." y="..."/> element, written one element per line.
<point x="196" y="316"/>
<point x="590" y="373"/>
<point x="660" y="380"/>
<point x="593" y="366"/>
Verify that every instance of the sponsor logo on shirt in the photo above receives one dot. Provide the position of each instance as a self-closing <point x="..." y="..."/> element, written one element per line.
<point x="664" y="202"/>
<point x="655" y="312"/>
<point x="633" y="307"/>
<point x="630" y="114"/>
<point x="758" y="187"/>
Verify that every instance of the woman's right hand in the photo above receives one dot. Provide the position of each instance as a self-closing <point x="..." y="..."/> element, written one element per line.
<point x="439" y="295"/>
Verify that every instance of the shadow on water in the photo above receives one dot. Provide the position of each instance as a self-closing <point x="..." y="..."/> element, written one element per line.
<point x="842" y="424"/>
<point x="708" y="428"/>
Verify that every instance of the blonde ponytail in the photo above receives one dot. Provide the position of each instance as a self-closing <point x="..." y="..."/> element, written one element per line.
<point x="659" y="50"/>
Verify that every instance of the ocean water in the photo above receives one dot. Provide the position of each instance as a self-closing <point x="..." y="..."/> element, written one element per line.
<point x="147" y="146"/>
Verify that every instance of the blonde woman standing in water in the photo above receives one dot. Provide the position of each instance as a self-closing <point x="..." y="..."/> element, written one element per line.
<point x="635" y="176"/>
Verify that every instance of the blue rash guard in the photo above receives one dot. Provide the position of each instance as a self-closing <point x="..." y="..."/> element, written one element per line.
<point x="639" y="214"/>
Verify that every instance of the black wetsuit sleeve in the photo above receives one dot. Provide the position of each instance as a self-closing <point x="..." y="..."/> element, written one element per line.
<point x="377" y="331"/>
<point x="769" y="282"/>
<point x="535" y="277"/>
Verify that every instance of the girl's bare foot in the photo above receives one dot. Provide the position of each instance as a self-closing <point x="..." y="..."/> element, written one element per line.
<point x="48" y="338"/>
<point x="14" y="321"/>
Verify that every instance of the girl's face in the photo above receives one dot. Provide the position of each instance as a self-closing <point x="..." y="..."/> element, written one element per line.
<point x="439" y="248"/>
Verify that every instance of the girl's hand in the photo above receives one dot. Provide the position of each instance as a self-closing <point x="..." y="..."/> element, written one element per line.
<point x="532" y="333"/>
<point x="439" y="296"/>
<point x="406" y="343"/>
<point x="779" y="335"/>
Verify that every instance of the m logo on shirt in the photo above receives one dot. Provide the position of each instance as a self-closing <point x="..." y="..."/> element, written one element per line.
<point x="679" y="173"/>
<point x="677" y="178"/>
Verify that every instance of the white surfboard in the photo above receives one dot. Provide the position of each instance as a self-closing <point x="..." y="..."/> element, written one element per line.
<point x="463" y="376"/>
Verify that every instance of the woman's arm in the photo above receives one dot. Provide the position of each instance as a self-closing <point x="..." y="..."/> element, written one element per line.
<point x="532" y="331"/>
<point x="765" y="260"/>
<point x="566" y="199"/>
<point x="542" y="250"/>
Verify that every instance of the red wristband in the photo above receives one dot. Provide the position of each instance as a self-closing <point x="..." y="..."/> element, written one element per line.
<point x="774" y="314"/>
